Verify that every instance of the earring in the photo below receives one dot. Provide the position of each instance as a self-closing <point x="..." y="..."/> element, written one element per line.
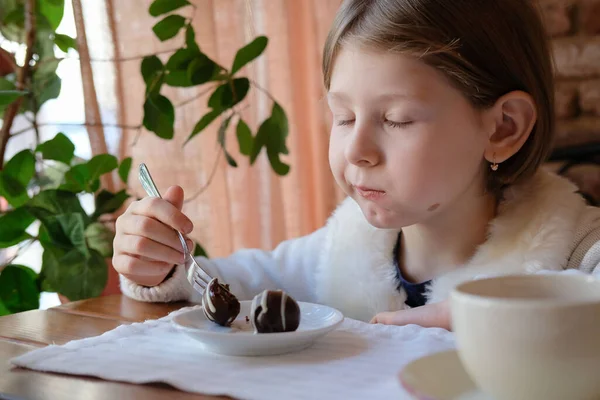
<point x="494" y="165"/>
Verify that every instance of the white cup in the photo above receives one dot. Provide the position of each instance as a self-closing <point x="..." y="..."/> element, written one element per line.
<point x="530" y="337"/>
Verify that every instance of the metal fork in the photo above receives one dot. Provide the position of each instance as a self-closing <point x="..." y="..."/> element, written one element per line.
<point x="198" y="278"/>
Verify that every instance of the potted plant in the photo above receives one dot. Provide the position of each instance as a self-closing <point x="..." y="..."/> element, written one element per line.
<point x="42" y="188"/>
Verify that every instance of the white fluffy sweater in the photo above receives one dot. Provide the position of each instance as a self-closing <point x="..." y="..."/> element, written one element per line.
<point x="348" y="264"/>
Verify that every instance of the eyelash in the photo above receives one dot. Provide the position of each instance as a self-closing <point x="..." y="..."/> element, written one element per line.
<point x="390" y="123"/>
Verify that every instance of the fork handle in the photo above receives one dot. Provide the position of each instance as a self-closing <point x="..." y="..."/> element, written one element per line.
<point x="152" y="191"/>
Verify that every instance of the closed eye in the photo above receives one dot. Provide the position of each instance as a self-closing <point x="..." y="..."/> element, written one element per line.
<point x="345" y="122"/>
<point x="395" y="124"/>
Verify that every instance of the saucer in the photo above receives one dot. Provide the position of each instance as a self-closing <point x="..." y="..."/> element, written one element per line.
<point x="440" y="376"/>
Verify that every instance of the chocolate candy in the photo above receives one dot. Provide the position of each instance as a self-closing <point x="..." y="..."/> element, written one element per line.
<point x="219" y="304"/>
<point x="274" y="311"/>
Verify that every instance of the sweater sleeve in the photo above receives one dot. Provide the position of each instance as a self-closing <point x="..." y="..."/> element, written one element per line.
<point x="290" y="266"/>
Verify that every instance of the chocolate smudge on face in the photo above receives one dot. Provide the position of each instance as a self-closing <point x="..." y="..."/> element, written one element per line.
<point x="434" y="207"/>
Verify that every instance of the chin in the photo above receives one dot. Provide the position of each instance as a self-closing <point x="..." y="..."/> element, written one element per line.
<point x="382" y="218"/>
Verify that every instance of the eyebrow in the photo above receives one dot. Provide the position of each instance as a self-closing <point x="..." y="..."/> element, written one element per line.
<point x="384" y="97"/>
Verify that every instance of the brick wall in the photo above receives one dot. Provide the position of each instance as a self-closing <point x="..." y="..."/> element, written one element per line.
<point x="574" y="26"/>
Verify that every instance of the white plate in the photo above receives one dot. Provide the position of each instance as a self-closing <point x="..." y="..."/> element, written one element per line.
<point x="440" y="376"/>
<point x="240" y="340"/>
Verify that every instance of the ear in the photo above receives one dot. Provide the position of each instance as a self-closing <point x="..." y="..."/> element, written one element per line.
<point x="512" y="120"/>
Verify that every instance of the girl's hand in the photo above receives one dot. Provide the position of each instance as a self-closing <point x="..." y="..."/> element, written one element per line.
<point x="428" y="316"/>
<point x="146" y="246"/>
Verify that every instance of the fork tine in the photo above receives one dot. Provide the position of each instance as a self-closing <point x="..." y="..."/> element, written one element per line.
<point x="201" y="273"/>
<point x="199" y="284"/>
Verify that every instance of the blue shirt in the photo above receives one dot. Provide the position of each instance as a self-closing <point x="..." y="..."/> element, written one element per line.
<point x="415" y="292"/>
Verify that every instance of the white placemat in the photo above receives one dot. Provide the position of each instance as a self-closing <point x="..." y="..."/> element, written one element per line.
<point x="356" y="361"/>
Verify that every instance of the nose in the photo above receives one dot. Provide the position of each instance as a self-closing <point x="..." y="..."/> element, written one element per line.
<point x="362" y="149"/>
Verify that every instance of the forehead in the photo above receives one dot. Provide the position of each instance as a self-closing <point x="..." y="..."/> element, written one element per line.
<point x="361" y="71"/>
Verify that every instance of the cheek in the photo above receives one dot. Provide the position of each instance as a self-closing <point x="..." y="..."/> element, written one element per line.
<point x="456" y="160"/>
<point x="336" y="157"/>
<point x="440" y="166"/>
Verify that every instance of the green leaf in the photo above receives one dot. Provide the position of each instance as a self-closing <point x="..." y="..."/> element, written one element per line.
<point x="13" y="225"/>
<point x="230" y="160"/>
<point x="65" y="42"/>
<point x="199" y="251"/>
<point x="77" y="179"/>
<point x="159" y="116"/>
<point x="100" y="238"/>
<point x="3" y="309"/>
<point x="229" y="94"/>
<point x="180" y="60"/>
<point x="50" y="203"/>
<point x="9" y="96"/>
<point x="21" y="167"/>
<point x="221" y="138"/>
<point x="12" y="190"/>
<point x="160" y="7"/>
<point x="95" y="185"/>
<point x="107" y="202"/>
<point x="151" y="66"/>
<point x="244" y="137"/>
<point x="73" y="275"/>
<point x="47" y="90"/>
<point x="190" y="39"/>
<point x="60" y="148"/>
<point x="85" y="177"/>
<point x="153" y="73"/>
<point x="272" y="134"/>
<point x="248" y="53"/>
<point x="15" y="177"/>
<point x="12" y="15"/>
<point x="53" y="10"/>
<point x="281" y="122"/>
<point x="102" y="164"/>
<point x="44" y="236"/>
<point x="124" y="169"/>
<point x="178" y="78"/>
<point x="73" y="226"/>
<point x="168" y="27"/>
<point x="201" y="70"/>
<point x="6" y="86"/>
<point x="45" y="68"/>
<point x="177" y="67"/>
<point x="18" y="289"/>
<point x="205" y="121"/>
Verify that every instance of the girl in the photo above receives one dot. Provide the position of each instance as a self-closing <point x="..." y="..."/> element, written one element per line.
<point x="443" y="113"/>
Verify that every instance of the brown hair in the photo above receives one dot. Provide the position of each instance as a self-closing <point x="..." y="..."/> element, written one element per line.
<point x="486" y="48"/>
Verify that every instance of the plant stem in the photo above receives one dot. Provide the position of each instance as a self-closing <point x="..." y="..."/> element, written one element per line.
<point x="210" y="178"/>
<point x="195" y="97"/>
<point x="22" y="75"/>
<point x="121" y="59"/>
<point x="21" y="248"/>
<point x="265" y="91"/>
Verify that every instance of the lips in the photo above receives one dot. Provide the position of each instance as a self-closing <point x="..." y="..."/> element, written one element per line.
<point x="369" y="193"/>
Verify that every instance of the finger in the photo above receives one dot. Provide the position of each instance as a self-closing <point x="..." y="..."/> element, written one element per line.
<point x="191" y="245"/>
<point x="129" y="265"/>
<point x="164" y="212"/>
<point x="143" y="247"/>
<point x="139" y="225"/>
<point x="389" y="318"/>
<point x="175" y="195"/>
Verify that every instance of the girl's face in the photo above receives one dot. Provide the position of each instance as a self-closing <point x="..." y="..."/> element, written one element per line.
<point x="405" y="144"/>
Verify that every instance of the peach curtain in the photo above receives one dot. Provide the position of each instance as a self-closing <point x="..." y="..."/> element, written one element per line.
<point x="247" y="207"/>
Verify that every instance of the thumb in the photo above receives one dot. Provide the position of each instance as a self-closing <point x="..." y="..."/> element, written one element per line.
<point x="174" y="195"/>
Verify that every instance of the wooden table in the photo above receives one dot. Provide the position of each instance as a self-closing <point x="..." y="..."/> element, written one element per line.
<point x="26" y="331"/>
